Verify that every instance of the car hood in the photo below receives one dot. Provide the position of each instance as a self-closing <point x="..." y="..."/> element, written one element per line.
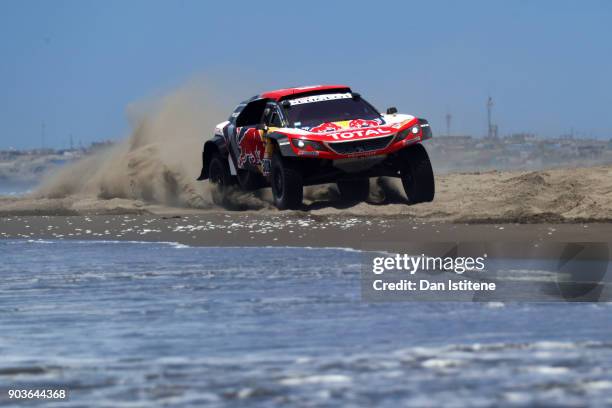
<point x="353" y="129"/>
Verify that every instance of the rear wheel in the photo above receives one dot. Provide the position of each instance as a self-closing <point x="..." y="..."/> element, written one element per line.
<point x="249" y="180"/>
<point x="417" y="174"/>
<point x="220" y="177"/>
<point x="354" y="190"/>
<point x="287" y="184"/>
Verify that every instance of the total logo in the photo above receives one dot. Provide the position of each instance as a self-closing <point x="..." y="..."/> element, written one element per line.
<point x="381" y="131"/>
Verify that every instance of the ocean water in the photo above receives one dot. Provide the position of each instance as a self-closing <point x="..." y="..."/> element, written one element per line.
<point x="160" y="324"/>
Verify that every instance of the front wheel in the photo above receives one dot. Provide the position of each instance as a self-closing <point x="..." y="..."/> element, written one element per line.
<point x="417" y="174"/>
<point x="287" y="184"/>
<point x="220" y="177"/>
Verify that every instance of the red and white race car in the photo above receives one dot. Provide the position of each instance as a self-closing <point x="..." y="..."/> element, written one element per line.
<point x="294" y="137"/>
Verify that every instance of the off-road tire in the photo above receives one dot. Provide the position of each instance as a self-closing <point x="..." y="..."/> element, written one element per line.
<point x="356" y="190"/>
<point x="417" y="174"/>
<point x="287" y="184"/>
<point x="219" y="177"/>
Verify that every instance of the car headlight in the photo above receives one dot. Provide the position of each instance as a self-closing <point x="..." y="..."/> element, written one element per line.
<point x="304" y="144"/>
<point x="414" y="130"/>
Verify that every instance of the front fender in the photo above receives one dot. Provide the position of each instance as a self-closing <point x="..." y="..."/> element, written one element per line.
<point x="215" y="145"/>
<point x="283" y="143"/>
<point x="426" y="129"/>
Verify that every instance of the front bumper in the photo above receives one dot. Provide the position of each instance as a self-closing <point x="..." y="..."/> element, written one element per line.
<point x="360" y="147"/>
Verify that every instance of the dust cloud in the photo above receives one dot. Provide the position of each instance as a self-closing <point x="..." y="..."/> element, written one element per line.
<point x="160" y="160"/>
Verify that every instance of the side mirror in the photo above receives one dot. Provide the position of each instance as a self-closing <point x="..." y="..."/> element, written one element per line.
<point x="392" y="110"/>
<point x="262" y="126"/>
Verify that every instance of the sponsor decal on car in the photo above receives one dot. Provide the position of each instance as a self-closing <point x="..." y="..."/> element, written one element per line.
<point x="326" y="127"/>
<point x="362" y="123"/>
<point x="345" y="124"/>
<point x="251" y="147"/>
<point x="351" y="134"/>
<point x="320" y="98"/>
<point x="307" y="153"/>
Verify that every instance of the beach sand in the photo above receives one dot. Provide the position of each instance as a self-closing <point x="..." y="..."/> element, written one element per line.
<point x="567" y="195"/>
<point x="292" y="229"/>
<point x="557" y="205"/>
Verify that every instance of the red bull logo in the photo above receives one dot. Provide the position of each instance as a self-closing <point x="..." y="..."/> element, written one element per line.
<point x="326" y="127"/>
<point x="361" y="123"/>
<point x="353" y="124"/>
<point x="251" y="147"/>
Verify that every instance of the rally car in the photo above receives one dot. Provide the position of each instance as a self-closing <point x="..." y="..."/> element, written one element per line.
<point x="291" y="138"/>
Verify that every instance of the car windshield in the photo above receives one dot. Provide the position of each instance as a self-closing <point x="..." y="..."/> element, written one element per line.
<point x="313" y="111"/>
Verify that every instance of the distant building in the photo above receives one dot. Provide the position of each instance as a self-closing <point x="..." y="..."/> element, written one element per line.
<point x="100" y="145"/>
<point x="521" y="138"/>
<point x="590" y="151"/>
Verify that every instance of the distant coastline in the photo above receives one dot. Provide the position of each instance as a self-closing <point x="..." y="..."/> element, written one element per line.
<point x="28" y="167"/>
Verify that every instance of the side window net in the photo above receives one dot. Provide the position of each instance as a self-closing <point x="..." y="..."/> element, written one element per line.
<point x="275" y="119"/>
<point x="252" y="114"/>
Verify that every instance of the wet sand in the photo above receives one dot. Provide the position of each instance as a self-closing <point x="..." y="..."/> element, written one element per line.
<point x="289" y="229"/>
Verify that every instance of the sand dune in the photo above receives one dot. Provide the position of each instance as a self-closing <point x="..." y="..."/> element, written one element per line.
<point x="558" y="195"/>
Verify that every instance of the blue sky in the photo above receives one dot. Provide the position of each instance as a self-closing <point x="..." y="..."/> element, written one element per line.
<point x="76" y="65"/>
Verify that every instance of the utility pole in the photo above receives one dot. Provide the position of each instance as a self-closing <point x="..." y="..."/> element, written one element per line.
<point x="449" y="117"/>
<point x="71" y="142"/>
<point x="42" y="135"/>
<point x="489" y="123"/>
